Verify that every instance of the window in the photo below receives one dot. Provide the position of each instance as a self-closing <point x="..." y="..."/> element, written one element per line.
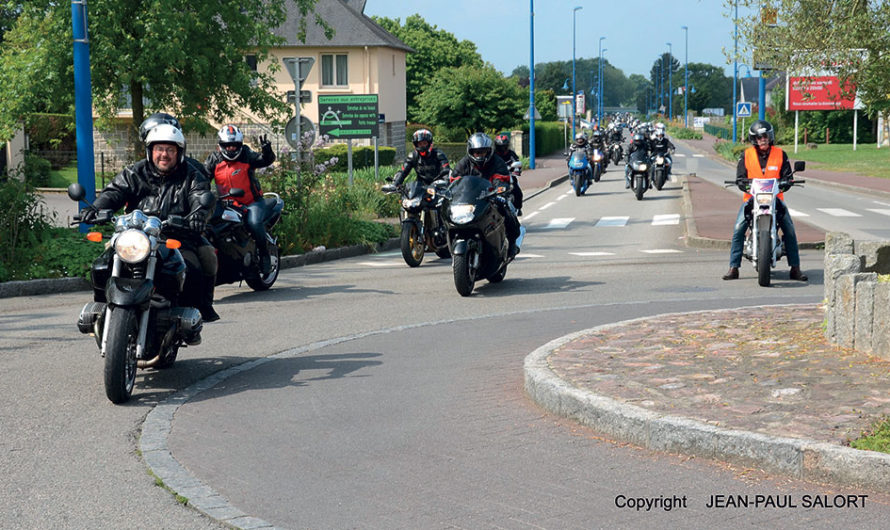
<point x="334" y="70"/>
<point x="251" y="63"/>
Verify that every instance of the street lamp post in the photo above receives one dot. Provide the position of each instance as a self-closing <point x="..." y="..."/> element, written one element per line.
<point x="574" y="96"/>
<point x="531" y="87"/>
<point x="599" y="89"/>
<point x="670" y="82"/>
<point x="735" y="75"/>
<point x="686" y="80"/>
<point x="602" y="95"/>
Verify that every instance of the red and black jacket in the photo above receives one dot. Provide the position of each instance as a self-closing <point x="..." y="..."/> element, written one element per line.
<point x="239" y="173"/>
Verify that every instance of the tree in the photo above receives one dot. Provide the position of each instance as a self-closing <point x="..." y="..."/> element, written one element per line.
<point x="848" y="37"/>
<point x="185" y="57"/>
<point x="472" y="98"/>
<point x="434" y="49"/>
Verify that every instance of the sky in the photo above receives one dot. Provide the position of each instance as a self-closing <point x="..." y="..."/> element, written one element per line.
<point x="636" y="33"/>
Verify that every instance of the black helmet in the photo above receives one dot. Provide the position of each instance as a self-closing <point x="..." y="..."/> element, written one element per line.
<point x="479" y="148"/>
<point x="761" y="129"/>
<point x="154" y="120"/>
<point x="502" y="142"/>
<point x="598" y="135"/>
<point x="423" y="135"/>
<point x="638" y="139"/>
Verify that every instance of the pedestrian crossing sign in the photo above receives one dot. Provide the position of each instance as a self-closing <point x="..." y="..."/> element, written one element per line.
<point x="743" y="109"/>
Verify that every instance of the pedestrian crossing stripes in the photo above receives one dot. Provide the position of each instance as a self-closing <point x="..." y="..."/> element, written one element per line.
<point x="560" y="222"/>
<point x="838" y="212"/>
<point x="662" y="251"/>
<point x="666" y="219"/>
<point x="585" y="254"/>
<point x="882" y="211"/>
<point x="612" y="221"/>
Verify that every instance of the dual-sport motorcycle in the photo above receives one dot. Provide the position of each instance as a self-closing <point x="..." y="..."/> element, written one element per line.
<point x="422" y="225"/>
<point x="640" y="172"/>
<point x="580" y="173"/>
<point x="236" y="250"/>
<point x="763" y="247"/>
<point x="138" y="314"/>
<point x="477" y="233"/>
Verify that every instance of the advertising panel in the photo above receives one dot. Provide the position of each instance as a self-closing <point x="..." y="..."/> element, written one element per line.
<point x="817" y="93"/>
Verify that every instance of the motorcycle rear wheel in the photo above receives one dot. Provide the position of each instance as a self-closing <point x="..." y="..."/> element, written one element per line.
<point x="464" y="272"/>
<point x="412" y="244"/>
<point x="120" y="354"/>
<point x="264" y="283"/>
<point x="764" y="256"/>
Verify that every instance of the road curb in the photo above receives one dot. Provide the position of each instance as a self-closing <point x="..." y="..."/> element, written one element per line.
<point x="66" y="285"/>
<point x="800" y="458"/>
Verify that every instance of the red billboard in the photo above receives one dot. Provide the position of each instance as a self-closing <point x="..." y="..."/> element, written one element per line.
<point x="818" y="93"/>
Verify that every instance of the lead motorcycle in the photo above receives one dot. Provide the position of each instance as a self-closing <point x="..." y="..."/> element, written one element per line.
<point x="236" y="249"/>
<point x="422" y="225"/>
<point x="477" y="233"/>
<point x="579" y="171"/>
<point x="640" y="172"/>
<point x="137" y="314"/>
<point x="763" y="247"/>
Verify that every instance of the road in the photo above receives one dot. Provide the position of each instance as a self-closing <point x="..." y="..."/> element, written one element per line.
<point x="416" y="419"/>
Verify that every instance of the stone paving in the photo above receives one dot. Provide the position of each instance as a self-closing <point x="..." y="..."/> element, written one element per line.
<point x="763" y="369"/>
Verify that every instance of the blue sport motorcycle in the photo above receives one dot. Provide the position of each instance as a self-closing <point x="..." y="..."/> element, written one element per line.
<point x="579" y="171"/>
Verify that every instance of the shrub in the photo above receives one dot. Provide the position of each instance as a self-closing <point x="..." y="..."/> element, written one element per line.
<point x="22" y="228"/>
<point x="550" y="137"/>
<point x="37" y="171"/>
<point x="683" y="133"/>
<point x="362" y="156"/>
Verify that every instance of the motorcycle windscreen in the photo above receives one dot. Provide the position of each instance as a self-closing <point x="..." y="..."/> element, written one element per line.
<point x="578" y="160"/>
<point x="764" y="186"/>
<point x="415" y="189"/>
<point x="469" y="189"/>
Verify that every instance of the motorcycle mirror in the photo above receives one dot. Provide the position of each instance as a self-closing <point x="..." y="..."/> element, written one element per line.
<point x="76" y="192"/>
<point x="800" y="165"/>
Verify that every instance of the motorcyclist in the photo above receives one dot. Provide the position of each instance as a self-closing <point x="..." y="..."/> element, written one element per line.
<point x="640" y="145"/>
<point x="581" y="142"/>
<point x="616" y="135"/>
<point x="233" y="165"/>
<point x="661" y="145"/>
<point x="164" y="184"/>
<point x="157" y="119"/>
<point x="764" y="160"/>
<point x="481" y="161"/>
<point x="509" y="156"/>
<point x="430" y="163"/>
<point x="598" y="141"/>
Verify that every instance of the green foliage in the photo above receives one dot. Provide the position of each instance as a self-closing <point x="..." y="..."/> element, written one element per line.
<point x="37" y="170"/>
<point x="472" y="98"/>
<point x="22" y="227"/>
<point x="683" y="133"/>
<point x="362" y="156"/>
<point x="728" y="150"/>
<point x="549" y="137"/>
<point x="878" y="439"/>
<point x="435" y="49"/>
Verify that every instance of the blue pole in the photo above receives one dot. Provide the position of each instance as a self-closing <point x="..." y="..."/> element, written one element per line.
<point x="574" y="94"/>
<point x="735" y="76"/>
<point x="531" y="87"/>
<point x="83" y="102"/>
<point x="761" y="97"/>
<point x="600" y="85"/>
<point x="686" y="81"/>
<point x="670" y="82"/>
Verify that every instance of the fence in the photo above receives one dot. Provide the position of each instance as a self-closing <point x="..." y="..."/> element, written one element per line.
<point x="719" y="132"/>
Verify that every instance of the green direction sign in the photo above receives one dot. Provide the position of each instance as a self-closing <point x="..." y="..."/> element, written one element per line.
<point x="348" y="116"/>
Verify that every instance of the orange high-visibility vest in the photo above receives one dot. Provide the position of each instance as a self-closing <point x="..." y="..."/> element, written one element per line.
<point x="773" y="166"/>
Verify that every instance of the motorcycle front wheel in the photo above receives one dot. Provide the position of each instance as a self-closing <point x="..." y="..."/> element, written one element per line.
<point x="577" y="183"/>
<point x="464" y="266"/>
<point x="764" y="254"/>
<point x="264" y="283"/>
<point x="412" y="244"/>
<point x="659" y="179"/>
<point x="120" y="354"/>
<point x="639" y="186"/>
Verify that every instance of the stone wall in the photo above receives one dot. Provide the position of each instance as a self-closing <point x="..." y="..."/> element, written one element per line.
<point x="857" y="305"/>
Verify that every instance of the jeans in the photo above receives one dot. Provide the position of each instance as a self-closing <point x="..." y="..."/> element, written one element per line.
<point x="256" y="215"/>
<point x="789" y="237"/>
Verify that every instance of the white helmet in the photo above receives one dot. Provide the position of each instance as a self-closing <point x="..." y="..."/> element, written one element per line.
<point x="230" y="135"/>
<point x="165" y="134"/>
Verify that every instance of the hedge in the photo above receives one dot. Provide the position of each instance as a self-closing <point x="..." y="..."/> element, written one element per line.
<point x="362" y="156"/>
<point x="549" y="137"/>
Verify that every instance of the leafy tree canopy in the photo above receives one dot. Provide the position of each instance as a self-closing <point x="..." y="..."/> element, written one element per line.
<point x="472" y="98"/>
<point x="184" y="57"/>
<point x="434" y="49"/>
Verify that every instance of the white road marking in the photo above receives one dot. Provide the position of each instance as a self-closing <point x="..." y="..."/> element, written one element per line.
<point x="382" y="263"/>
<point x="838" y="212"/>
<point x="612" y="221"/>
<point x="882" y="211"/>
<point x="524" y="255"/>
<point x="662" y="251"/>
<point x="795" y="213"/>
<point x="592" y="253"/>
<point x="679" y="155"/>
<point x="698" y="156"/>
<point x="529" y="216"/>
<point x="548" y="205"/>
<point x="560" y="222"/>
<point x="666" y="219"/>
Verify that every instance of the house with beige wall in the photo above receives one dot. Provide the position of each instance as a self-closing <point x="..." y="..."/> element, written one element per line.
<point x="360" y="58"/>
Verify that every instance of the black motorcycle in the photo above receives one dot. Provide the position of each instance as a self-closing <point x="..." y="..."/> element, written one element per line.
<point x="640" y="172"/>
<point x="422" y="225"/>
<point x="616" y="152"/>
<point x="236" y="249"/>
<point x="476" y="231"/>
<point x="137" y="315"/>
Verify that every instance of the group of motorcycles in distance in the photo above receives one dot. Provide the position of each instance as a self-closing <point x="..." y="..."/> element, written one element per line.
<point x="648" y="157"/>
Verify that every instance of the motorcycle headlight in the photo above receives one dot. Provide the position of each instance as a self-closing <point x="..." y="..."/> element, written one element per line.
<point x="642" y="167"/>
<point x="411" y="203"/>
<point x="659" y="160"/>
<point x="598" y="157"/>
<point x="764" y="199"/>
<point x="132" y="246"/>
<point x="462" y="213"/>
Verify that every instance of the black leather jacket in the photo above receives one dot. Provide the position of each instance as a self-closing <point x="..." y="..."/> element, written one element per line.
<point x="140" y="187"/>
<point x="494" y="168"/>
<point x="428" y="168"/>
<point x="661" y="146"/>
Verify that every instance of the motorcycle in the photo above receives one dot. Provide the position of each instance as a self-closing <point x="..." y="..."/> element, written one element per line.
<point x="763" y="247"/>
<point x="137" y="316"/>
<point x="640" y="173"/>
<point x="600" y="162"/>
<point x="422" y="225"/>
<point x="236" y="249"/>
<point x="579" y="171"/>
<point x="477" y="234"/>
<point x="616" y="152"/>
<point x="660" y="168"/>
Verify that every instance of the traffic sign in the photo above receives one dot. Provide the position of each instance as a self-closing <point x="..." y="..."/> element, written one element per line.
<point x="743" y="109"/>
<point x="290" y="131"/>
<point x="348" y="116"/>
<point x="305" y="96"/>
<point x="298" y="67"/>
